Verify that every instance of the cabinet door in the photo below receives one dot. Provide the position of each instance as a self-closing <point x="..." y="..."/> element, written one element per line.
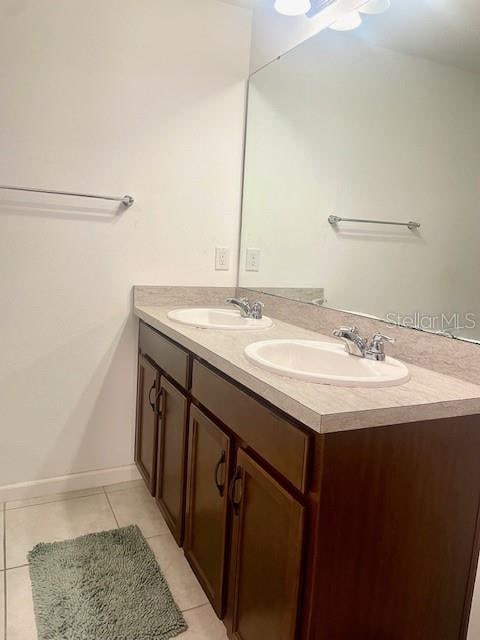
<point x="266" y="555"/>
<point x="147" y="422"/>
<point x="172" y="445"/>
<point x="207" y="503"/>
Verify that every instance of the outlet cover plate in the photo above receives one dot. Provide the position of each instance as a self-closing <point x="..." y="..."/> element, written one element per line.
<point x="222" y="259"/>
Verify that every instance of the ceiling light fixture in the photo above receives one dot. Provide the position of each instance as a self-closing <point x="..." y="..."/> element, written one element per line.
<point x="373" y="7"/>
<point x="318" y="6"/>
<point x="293" y="7"/>
<point x="347" y="22"/>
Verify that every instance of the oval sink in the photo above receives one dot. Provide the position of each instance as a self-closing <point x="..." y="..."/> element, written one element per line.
<point x="226" y="319"/>
<point x="325" y="363"/>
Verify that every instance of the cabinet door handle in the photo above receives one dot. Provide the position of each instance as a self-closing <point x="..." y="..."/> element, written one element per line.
<point x="220" y="486"/>
<point x="160" y="397"/>
<point x="233" y="485"/>
<point x="152" y="403"/>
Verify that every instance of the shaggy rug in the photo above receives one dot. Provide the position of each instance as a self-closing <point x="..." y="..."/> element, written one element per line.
<point x="103" y="586"/>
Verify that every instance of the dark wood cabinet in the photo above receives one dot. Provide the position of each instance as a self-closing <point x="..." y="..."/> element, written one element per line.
<point x="169" y="357"/>
<point x="146" y="437"/>
<point x="266" y="555"/>
<point x="171" y="457"/>
<point x="255" y="424"/>
<point x="206" y="507"/>
<point x="366" y="534"/>
<point x="398" y="531"/>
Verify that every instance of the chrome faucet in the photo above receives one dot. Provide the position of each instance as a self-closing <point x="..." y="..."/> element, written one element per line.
<point x="355" y="345"/>
<point x="247" y="310"/>
<point x="360" y="347"/>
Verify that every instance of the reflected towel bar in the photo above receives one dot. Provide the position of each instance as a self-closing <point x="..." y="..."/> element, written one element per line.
<point x="127" y="201"/>
<point x="411" y="225"/>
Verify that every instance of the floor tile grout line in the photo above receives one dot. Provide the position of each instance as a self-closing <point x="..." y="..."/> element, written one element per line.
<point x="4" y="531"/>
<point x="198" y="606"/>
<point x="95" y="491"/>
<point x="4" y="551"/>
<point x="64" y="499"/>
<point x="108" y="488"/>
<point x="17" y="566"/>
<point x="157" y="535"/>
<point x="111" y="508"/>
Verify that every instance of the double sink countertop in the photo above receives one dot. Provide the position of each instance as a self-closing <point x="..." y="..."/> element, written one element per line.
<point x="325" y="409"/>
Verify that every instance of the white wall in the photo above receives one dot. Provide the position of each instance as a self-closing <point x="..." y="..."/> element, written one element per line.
<point x="338" y="126"/>
<point x="119" y="96"/>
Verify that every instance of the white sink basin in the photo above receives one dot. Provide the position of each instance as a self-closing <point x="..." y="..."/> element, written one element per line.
<point x="226" y="319"/>
<point x="325" y="363"/>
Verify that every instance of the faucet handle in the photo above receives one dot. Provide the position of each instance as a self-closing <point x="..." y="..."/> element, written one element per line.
<point x="355" y="330"/>
<point x="346" y="330"/>
<point x="240" y="302"/>
<point x="376" y="348"/>
<point x="257" y="310"/>
<point x="243" y="304"/>
<point x="379" y="338"/>
<point x="229" y="300"/>
<point x="244" y="300"/>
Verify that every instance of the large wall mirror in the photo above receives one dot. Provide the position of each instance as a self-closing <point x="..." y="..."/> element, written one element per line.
<point x="377" y="124"/>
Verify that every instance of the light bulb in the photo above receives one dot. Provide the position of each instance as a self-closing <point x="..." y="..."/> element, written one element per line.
<point x="375" y="6"/>
<point x="347" y="22"/>
<point x="293" y="7"/>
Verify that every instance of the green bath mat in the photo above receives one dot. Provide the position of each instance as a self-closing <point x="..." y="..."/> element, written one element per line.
<point x="104" y="586"/>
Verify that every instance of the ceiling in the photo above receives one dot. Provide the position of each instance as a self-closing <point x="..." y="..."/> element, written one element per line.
<point x="447" y="31"/>
<point x="243" y="3"/>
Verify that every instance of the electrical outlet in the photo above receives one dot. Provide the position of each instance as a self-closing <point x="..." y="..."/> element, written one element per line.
<point x="253" y="260"/>
<point x="222" y="259"/>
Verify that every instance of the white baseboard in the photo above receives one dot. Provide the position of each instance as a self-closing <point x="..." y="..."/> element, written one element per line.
<point x="73" y="482"/>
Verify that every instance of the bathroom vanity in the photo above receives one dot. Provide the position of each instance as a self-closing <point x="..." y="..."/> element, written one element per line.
<point x="310" y="512"/>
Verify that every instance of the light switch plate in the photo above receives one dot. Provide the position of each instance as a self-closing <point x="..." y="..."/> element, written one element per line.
<point x="252" y="262"/>
<point x="222" y="259"/>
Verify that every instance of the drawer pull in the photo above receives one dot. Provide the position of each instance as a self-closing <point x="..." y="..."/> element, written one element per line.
<point x="220" y="486"/>
<point x="232" y="491"/>
<point x="152" y="403"/>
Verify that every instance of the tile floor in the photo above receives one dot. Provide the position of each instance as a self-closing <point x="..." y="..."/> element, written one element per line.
<point x="24" y="523"/>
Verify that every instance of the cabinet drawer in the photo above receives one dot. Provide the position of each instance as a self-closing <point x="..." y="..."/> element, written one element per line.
<point x="282" y="445"/>
<point x="167" y="355"/>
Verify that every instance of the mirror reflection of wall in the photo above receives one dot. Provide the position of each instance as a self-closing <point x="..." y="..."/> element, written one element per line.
<point x="343" y="126"/>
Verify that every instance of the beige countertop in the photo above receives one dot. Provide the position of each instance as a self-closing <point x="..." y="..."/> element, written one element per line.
<point x="325" y="409"/>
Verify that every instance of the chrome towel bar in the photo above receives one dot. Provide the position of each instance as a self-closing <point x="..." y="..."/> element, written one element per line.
<point x="127" y="201"/>
<point x="411" y="225"/>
